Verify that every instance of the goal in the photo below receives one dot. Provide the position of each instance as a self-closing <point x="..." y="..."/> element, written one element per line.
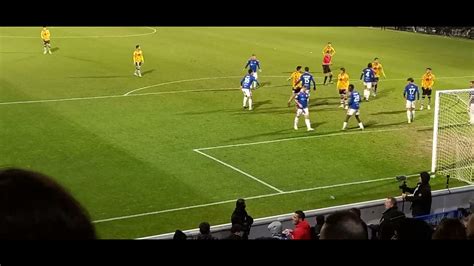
<point x="453" y="135"/>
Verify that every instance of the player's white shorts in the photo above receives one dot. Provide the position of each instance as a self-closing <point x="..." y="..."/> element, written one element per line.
<point x="247" y="92"/>
<point x="351" y="112"/>
<point x="255" y="75"/>
<point x="303" y="111"/>
<point x="368" y="85"/>
<point x="410" y="104"/>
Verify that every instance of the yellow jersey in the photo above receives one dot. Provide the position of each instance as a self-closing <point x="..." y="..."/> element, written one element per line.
<point x="378" y="69"/>
<point x="45" y="35"/>
<point x="342" y="81"/>
<point x="329" y="49"/>
<point x="427" y="80"/>
<point x="295" y="78"/>
<point x="138" y="56"/>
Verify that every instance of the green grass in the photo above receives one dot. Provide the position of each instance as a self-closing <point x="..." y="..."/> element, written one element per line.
<point x="128" y="155"/>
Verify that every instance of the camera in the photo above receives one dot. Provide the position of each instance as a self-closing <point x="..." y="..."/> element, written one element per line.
<point x="403" y="186"/>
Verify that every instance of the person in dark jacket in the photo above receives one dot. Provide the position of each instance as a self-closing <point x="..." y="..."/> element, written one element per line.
<point x="390" y="220"/>
<point x="241" y="217"/>
<point x="421" y="196"/>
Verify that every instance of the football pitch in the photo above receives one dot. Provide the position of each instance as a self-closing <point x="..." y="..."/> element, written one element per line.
<point x="174" y="148"/>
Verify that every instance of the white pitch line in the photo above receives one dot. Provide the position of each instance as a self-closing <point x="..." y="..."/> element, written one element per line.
<point x="82" y="37"/>
<point x="188" y="80"/>
<point x="240" y="171"/>
<point x="247" y="198"/>
<point x="306" y="137"/>
<point x="154" y="93"/>
<point x="118" y="96"/>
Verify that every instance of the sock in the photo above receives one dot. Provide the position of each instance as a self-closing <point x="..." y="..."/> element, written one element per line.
<point x="344" y="126"/>
<point x="330" y="78"/>
<point x="361" y="125"/>
<point x="250" y="103"/>
<point x="308" y="124"/>
<point x="375" y="88"/>
<point x="413" y="115"/>
<point x="409" y="116"/>
<point x="296" y="122"/>
<point x="366" y="94"/>
<point x="429" y="100"/>
<point x="325" y="78"/>
<point x="245" y="101"/>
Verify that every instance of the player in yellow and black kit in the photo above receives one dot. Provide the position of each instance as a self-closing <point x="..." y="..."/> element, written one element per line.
<point x="427" y="82"/>
<point x="378" y="70"/>
<point x="342" y="87"/>
<point x="295" y="79"/>
<point x="138" y="60"/>
<point x="46" y="37"/>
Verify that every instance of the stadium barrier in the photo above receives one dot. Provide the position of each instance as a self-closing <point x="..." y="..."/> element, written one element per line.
<point x="461" y="32"/>
<point x="444" y="200"/>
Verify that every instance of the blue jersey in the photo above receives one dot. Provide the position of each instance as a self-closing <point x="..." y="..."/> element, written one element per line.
<point x="368" y="75"/>
<point x="247" y="81"/>
<point x="306" y="80"/>
<point x="411" y="92"/>
<point x="354" y="100"/>
<point x="302" y="98"/>
<point x="254" y="64"/>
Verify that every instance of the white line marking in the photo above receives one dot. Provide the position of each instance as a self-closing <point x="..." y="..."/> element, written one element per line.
<point x="156" y="93"/>
<point x="188" y="80"/>
<point x="247" y="198"/>
<point x="307" y="137"/>
<point x="82" y="37"/>
<point x="118" y="96"/>
<point x="240" y="171"/>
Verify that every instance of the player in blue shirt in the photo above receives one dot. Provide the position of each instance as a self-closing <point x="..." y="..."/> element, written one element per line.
<point x="253" y="65"/>
<point x="411" y="94"/>
<point x="354" y="104"/>
<point x="306" y="79"/>
<point x="301" y="100"/>
<point x="367" y="77"/>
<point x="245" y="86"/>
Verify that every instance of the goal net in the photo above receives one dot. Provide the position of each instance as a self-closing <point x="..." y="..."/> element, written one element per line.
<point x="453" y="135"/>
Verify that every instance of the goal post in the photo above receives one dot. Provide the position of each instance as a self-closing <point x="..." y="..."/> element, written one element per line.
<point x="453" y="134"/>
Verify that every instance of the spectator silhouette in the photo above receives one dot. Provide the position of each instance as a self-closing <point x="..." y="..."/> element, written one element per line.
<point x="241" y="217"/>
<point x="343" y="225"/>
<point x="34" y="206"/>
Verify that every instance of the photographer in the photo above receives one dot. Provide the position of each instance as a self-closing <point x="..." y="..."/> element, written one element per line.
<point x="241" y="217"/>
<point x="421" y="196"/>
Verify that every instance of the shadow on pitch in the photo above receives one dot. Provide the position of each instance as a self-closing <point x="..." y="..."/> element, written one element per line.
<point x="148" y="72"/>
<point x="389" y="113"/>
<point x="99" y="77"/>
<point x="55" y="49"/>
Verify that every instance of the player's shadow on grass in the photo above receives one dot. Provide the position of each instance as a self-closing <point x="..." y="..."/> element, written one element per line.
<point x="389" y="112"/>
<point x="99" y="77"/>
<point x="284" y="133"/>
<point x="256" y="105"/>
<point x="266" y="83"/>
<point x="148" y="72"/>
<point x="55" y="49"/>
<point x="375" y="124"/>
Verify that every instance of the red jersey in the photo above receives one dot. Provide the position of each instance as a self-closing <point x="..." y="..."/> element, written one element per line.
<point x="302" y="231"/>
<point x="327" y="59"/>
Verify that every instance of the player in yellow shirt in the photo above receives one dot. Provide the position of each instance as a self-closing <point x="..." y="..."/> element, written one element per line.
<point x="329" y="49"/>
<point x="378" y="70"/>
<point x="427" y="82"/>
<point x="46" y="36"/>
<point x="295" y="79"/>
<point x="138" y="60"/>
<point x="342" y="86"/>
